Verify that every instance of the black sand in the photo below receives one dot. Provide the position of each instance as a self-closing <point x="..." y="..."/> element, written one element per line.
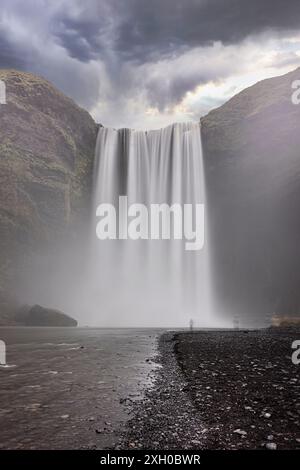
<point x="221" y="390"/>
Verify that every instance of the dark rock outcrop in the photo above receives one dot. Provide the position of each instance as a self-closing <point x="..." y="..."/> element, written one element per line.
<point x="252" y="162"/>
<point x="46" y="159"/>
<point x="40" y="316"/>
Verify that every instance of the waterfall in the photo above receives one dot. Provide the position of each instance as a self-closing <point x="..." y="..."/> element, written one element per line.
<point x="148" y="282"/>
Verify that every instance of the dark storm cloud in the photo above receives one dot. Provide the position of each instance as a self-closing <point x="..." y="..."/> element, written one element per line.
<point x="101" y="51"/>
<point x="80" y="38"/>
<point x="162" y="92"/>
<point x="76" y="45"/>
<point x="146" y="30"/>
<point x="157" y="26"/>
<point x="10" y="57"/>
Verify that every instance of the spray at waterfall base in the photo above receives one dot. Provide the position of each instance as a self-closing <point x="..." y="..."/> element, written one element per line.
<point x="144" y="260"/>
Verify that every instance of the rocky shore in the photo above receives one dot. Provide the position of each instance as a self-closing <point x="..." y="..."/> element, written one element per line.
<point x="221" y="390"/>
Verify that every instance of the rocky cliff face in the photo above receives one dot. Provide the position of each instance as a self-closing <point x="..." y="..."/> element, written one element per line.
<point x="252" y="159"/>
<point x="46" y="158"/>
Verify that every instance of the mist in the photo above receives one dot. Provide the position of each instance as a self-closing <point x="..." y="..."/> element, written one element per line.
<point x="125" y="282"/>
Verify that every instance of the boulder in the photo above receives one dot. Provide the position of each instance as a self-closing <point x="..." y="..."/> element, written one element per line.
<point x="41" y="316"/>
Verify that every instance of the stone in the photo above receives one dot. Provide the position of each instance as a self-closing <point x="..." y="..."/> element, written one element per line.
<point x="271" y="446"/>
<point x="240" y="432"/>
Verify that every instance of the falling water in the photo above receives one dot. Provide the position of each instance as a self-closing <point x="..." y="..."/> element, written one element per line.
<point x="148" y="282"/>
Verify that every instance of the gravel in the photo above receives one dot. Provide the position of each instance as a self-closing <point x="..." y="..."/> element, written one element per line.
<point x="220" y="390"/>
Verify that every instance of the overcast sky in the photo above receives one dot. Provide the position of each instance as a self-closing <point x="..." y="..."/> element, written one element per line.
<point x="147" y="63"/>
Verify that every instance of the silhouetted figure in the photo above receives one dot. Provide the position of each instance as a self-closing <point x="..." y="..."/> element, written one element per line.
<point x="191" y="324"/>
<point x="236" y="322"/>
<point x="269" y="319"/>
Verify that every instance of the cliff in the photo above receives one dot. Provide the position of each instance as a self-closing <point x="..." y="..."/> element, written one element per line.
<point x="46" y="158"/>
<point x="252" y="162"/>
